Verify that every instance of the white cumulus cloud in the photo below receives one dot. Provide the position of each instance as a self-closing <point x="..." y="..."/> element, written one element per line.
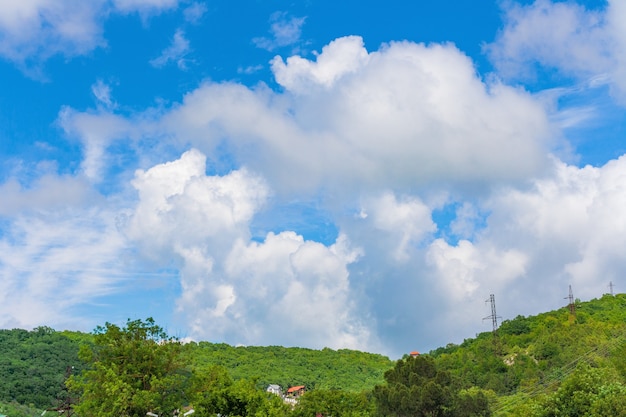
<point x="404" y="150"/>
<point x="233" y="287"/>
<point x="404" y="115"/>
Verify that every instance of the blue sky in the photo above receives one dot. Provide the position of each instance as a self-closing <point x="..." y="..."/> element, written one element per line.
<point x="356" y="175"/>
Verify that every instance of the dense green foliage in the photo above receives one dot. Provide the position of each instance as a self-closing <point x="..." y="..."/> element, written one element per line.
<point x="14" y="409"/>
<point x="533" y="357"/>
<point x="416" y="388"/>
<point x="334" y="403"/>
<point x="550" y="365"/>
<point x="347" y="370"/>
<point x="215" y="393"/>
<point x="132" y="370"/>
<point x="33" y="364"/>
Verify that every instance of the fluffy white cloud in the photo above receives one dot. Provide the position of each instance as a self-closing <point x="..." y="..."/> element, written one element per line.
<point x="405" y="223"/>
<point x="464" y="268"/>
<point x="388" y="137"/>
<point x="340" y="57"/>
<point x="576" y="220"/>
<point x="41" y="28"/>
<point x="383" y="133"/>
<point x="399" y="117"/>
<point x="32" y="31"/>
<point x="532" y="33"/>
<point x="283" y="290"/>
<point x="293" y="292"/>
<point x="565" y="229"/>
<point x="181" y="208"/>
<point x="566" y="36"/>
<point x="437" y="185"/>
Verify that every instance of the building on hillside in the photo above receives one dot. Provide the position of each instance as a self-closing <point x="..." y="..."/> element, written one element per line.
<point x="414" y="354"/>
<point x="295" y="392"/>
<point x="275" y="389"/>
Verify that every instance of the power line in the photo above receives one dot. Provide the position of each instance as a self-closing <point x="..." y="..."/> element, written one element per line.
<point x="558" y="375"/>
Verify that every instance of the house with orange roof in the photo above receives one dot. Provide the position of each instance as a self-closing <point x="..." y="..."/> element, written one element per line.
<point x="296" y="391"/>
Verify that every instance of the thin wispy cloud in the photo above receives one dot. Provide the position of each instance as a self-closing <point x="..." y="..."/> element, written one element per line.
<point x="175" y="53"/>
<point x="195" y="12"/>
<point x="102" y="93"/>
<point x="285" y="30"/>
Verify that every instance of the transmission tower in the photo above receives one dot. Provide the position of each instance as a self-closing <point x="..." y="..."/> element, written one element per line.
<point x="572" y="305"/>
<point x="494" y="317"/>
<point x="611" y="288"/>
<point x="494" y="321"/>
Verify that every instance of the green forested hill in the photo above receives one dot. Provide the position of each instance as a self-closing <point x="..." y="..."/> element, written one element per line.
<point x="33" y="364"/>
<point x="344" y="369"/>
<point x="551" y="364"/>
<point x="530" y="359"/>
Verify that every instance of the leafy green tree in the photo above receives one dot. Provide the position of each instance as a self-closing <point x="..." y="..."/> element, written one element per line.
<point x="588" y="392"/>
<point x="415" y="388"/>
<point x="609" y="401"/>
<point x="133" y="370"/>
<point x="473" y="402"/>
<point x="18" y="410"/>
<point x="336" y="403"/>
<point x="215" y="393"/>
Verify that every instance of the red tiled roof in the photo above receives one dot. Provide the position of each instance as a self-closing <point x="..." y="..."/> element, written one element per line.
<point x="294" y="389"/>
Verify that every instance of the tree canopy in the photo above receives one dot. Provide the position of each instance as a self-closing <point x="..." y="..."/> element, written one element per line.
<point x="132" y="370"/>
<point x="416" y="388"/>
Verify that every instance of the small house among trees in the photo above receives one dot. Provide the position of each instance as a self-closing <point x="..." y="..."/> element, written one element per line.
<point x="296" y="391"/>
<point x="275" y="389"/>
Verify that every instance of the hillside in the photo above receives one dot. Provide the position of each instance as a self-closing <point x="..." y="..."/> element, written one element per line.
<point x="530" y="357"/>
<point x="541" y="365"/>
<point x="344" y="369"/>
<point x="33" y="365"/>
